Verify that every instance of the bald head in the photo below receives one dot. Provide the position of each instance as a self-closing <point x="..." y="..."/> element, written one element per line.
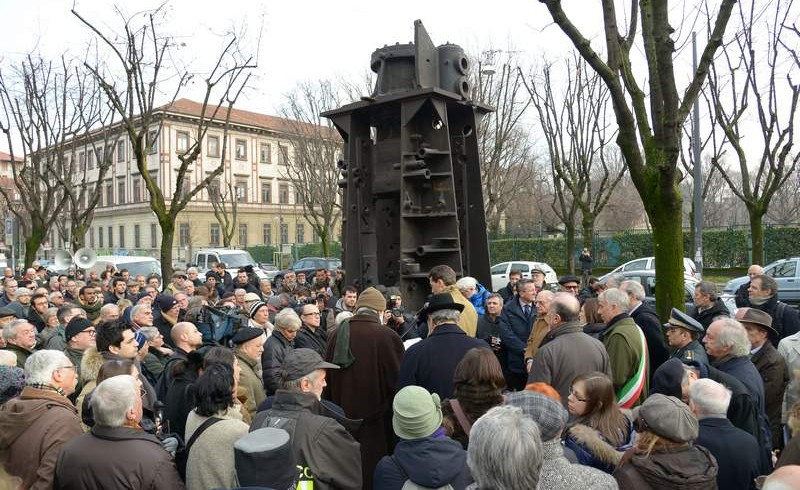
<point x="566" y="306"/>
<point x="784" y="478"/>
<point x="186" y="336"/>
<point x="754" y="270"/>
<point x="543" y="300"/>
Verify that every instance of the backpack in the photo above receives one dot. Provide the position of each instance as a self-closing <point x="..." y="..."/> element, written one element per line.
<point x="218" y="324"/>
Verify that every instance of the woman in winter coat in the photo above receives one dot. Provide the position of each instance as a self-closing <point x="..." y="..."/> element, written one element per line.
<point x="211" y="459"/>
<point x="287" y="323"/>
<point x="425" y="455"/>
<point x="478" y="386"/>
<point x="663" y="456"/>
<point x="601" y="432"/>
<point x="590" y="317"/>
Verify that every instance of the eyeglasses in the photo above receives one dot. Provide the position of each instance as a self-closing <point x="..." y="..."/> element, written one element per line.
<point x="571" y="287"/>
<point x="92" y="332"/>
<point x="575" y="395"/>
<point x="142" y="392"/>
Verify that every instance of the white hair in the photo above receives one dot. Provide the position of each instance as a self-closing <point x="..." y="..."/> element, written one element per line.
<point x="633" y="288"/>
<point x="288" y="320"/>
<point x="615" y="297"/>
<point x="467" y="282"/>
<point x="107" y="308"/>
<point x="40" y="365"/>
<point x="505" y="450"/>
<point x="733" y="334"/>
<point x="150" y="333"/>
<point x="8" y="358"/>
<point x="445" y="316"/>
<point x="112" y="399"/>
<point x="10" y="330"/>
<point x="709" y="397"/>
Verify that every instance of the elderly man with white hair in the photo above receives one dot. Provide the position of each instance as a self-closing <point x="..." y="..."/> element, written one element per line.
<point x="116" y="453"/>
<point x="627" y="348"/>
<point x="736" y="451"/>
<point x="34" y="426"/>
<point x="287" y="323"/>
<point x="646" y="318"/>
<point x="20" y="339"/>
<point x="475" y="292"/>
<point x="505" y="450"/>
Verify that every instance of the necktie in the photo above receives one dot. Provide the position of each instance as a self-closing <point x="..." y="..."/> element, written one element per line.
<point x="528" y="311"/>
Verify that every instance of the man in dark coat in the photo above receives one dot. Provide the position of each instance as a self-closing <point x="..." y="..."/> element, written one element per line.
<point x="736" y="451"/>
<point x="509" y="291"/>
<point x="770" y="365"/>
<point x="516" y="323"/>
<point x="728" y="347"/>
<point x="369" y="355"/>
<point x="489" y="330"/>
<point x="287" y="323"/>
<point x="682" y="333"/>
<point x="709" y="305"/>
<point x="645" y="317"/>
<point x="742" y="295"/>
<point x="431" y="363"/>
<point x="764" y="296"/>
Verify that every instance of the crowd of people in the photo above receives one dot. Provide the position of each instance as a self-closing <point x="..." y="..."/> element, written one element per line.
<point x="113" y="381"/>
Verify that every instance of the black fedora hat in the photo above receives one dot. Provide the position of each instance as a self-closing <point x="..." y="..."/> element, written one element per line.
<point x="438" y="302"/>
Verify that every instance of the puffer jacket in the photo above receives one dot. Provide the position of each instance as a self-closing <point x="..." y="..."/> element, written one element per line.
<point x="686" y="468"/>
<point x="33" y="428"/>
<point x="275" y="349"/>
<point x="592" y="449"/>
<point x="478" y="299"/>
<point x="429" y="462"/>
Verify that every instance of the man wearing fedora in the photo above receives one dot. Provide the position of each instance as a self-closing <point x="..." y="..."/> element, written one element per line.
<point x="325" y="453"/>
<point x="769" y="363"/>
<point x="682" y="332"/>
<point x="431" y="363"/>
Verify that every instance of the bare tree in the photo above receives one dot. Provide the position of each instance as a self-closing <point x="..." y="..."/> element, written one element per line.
<point x="316" y="147"/>
<point x="649" y="137"/>
<point x="746" y="87"/>
<point x="140" y="52"/>
<point x="785" y="206"/>
<point x="503" y="142"/>
<point x="574" y="125"/>
<point x="39" y="119"/>
<point x="225" y="204"/>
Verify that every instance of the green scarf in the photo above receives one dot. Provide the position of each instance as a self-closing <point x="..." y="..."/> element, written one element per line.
<point x="342" y="355"/>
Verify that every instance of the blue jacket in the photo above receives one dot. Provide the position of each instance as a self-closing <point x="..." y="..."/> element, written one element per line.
<point x="478" y="299"/>
<point x="431" y="363"/>
<point x="428" y="462"/>
<point x="514" y="331"/>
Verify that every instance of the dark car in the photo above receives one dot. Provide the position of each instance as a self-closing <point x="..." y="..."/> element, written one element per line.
<point x="648" y="280"/>
<point x="309" y="266"/>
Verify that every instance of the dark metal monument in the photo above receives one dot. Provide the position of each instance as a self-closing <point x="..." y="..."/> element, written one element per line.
<point x="412" y="185"/>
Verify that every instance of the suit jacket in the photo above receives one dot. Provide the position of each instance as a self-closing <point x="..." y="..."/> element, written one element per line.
<point x="645" y="316"/>
<point x="515" y="329"/>
<point x="773" y="371"/>
<point x="622" y="342"/>
<point x="735" y="450"/>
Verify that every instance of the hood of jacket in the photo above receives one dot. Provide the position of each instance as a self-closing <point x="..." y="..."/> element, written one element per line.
<point x="592" y="440"/>
<point x="18" y="414"/>
<point x="691" y="467"/>
<point x="479" y="298"/>
<point x="430" y="462"/>
<point x="91" y="363"/>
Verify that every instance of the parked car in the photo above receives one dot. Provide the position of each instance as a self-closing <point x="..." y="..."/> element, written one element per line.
<point x="649" y="264"/>
<point x="309" y="266"/>
<point x="270" y="270"/>
<point x="232" y="258"/>
<point x="136" y="266"/>
<point x="786" y="273"/>
<point x="647" y="278"/>
<point x="501" y="271"/>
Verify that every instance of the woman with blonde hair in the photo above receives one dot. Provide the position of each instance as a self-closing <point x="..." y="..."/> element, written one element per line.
<point x="601" y="432"/>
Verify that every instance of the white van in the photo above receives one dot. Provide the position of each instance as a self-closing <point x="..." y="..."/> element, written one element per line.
<point x="232" y="258"/>
<point x="144" y="266"/>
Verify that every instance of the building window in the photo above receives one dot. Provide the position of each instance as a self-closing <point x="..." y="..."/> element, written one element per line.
<point x="213" y="146"/>
<point x="136" y="192"/>
<point x="82" y="160"/>
<point x="314" y="236"/>
<point x="100" y="236"/>
<point x="181" y="141"/>
<point x="152" y="142"/>
<point x="242" y="234"/>
<point x="91" y="237"/>
<point x="213" y="190"/>
<point x="121" y="236"/>
<point x="266" y="192"/>
<point x="183" y="234"/>
<point x="215" y="234"/>
<point x="266" y="231"/>
<point x="137" y="238"/>
<point x="153" y="235"/>
<point x="241" y="190"/>
<point x="265" y="153"/>
<point x="283" y="193"/>
<point x="110" y="237"/>
<point x="300" y="233"/>
<point x="298" y="196"/>
<point x="241" y="149"/>
<point x="283" y="155"/>
<point x="121" y="150"/>
<point x="90" y="159"/>
<point x="284" y="233"/>
<point x="121" y="191"/>
<point x="109" y="195"/>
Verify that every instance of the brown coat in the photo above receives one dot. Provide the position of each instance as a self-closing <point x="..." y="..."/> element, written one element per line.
<point x="468" y="320"/>
<point x="772" y="368"/>
<point x="33" y="428"/>
<point x="366" y="388"/>
<point x="538" y="333"/>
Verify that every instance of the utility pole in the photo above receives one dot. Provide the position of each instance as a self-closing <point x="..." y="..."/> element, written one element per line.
<point x="698" y="174"/>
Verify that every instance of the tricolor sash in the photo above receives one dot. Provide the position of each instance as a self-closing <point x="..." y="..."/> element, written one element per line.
<point x="631" y="390"/>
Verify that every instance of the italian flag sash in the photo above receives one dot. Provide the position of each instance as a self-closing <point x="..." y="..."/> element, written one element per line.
<point x="630" y="392"/>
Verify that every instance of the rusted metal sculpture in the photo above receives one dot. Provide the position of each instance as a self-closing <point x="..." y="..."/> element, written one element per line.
<point x="412" y="186"/>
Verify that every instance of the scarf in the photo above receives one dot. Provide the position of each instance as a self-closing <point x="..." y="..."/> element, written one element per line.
<point x="342" y="355"/>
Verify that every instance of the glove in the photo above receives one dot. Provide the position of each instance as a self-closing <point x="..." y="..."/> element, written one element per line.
<point x="170" y="445"/>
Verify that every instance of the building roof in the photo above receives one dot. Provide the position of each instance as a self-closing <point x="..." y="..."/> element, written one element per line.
<point x="5" y="157"/>
<point x="239" y="116"/>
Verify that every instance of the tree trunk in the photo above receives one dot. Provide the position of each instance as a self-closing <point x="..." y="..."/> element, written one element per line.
<point x="569" y="228"/>
<point x="167" y="237"/>
<point x="78" y="236"/>
<point x="588" y="231"/>
<point x="32" y="243"/>
<point x="757" y="234"/>
<point x="663" y="206"/>
<point x="227" y="238"/>
<point x="325" y="241"/>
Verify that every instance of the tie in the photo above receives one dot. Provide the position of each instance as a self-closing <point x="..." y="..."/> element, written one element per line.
<point x="528" y="312"/>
